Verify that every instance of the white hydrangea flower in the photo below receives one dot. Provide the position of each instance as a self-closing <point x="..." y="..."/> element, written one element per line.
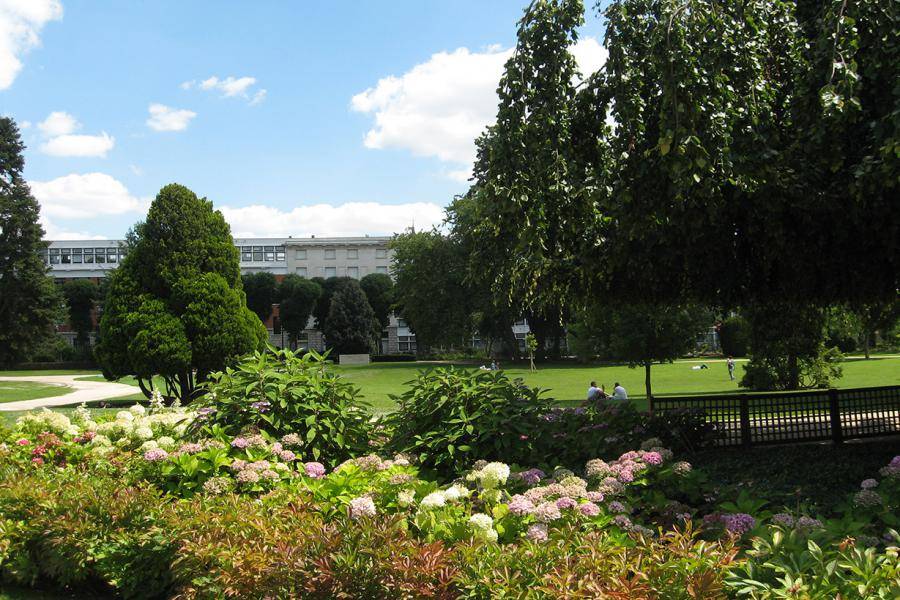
<point x="481" y="521"/>
<point x="89" y="425"/>
<point x="137" y="410"/>
<point x="494" y="474"/>
<point x="433" y="500"/>
<point x="149" y="445"/>
<point x="144" y="433"/>
<point x="455" y="492"/>
<point x="124" y="415"/>
<point x="166" y="442"/>
<point x="101" y="440"/>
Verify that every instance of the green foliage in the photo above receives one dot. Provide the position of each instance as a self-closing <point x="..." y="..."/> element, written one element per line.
<point x="323" y="304"/>
<point x="262" y="292"/>
<point x="29" y="301"/>
<point x="790" y="565"/>
<point x="641" y="334"/>
<point x="80" y="295"/>
<point x="298" y="297"/>
<point x="734" y="336"/>
<point x="450" y="417"/>
<point x="280" y="392"/>
<point x="431" y="291"/>
<point x="174" y="306"/>
<point x="787" y="351"/>
<point x="351" y="327"/>
<point x="843" y="328"/>
<point x="379" y="290"/>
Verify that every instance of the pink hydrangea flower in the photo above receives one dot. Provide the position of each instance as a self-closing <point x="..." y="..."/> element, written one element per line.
<point x="155" y="455"/>
<point x="547" y="512"/>
<point x="868" y="484"/>
<point x="286" y="455"/>
<point x="537" y="532"/>
<point x="520" y="506"/>
<point x="314" y="469"/>
<point x="589" y="509"/>
<point x="653" y="458"/>
<point x="595" y="496"/>
<point x="626" y="476"/>
<point x="565" y="503"/>
<point x="240" y="443"/>
<point x="22" y="442"/>
<point x="362" y="507"/>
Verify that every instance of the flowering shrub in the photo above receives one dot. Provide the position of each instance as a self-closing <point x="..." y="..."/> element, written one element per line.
<point x="279" y="392"/>
<point x="450" y="417"/>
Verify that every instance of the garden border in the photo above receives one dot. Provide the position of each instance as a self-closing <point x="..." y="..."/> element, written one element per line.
<point x="793" y="417"/>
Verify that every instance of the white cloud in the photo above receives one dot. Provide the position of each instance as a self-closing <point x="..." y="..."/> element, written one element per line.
<point x="21" y="22"/>
<point x="58" y="123"/>
<point x="166" y="118"/>
<point x="79" y="145"/>
<point x="25" y="125"/>
<point x="258" y="97"/>
<point x="229" y="87"/>
<point x="54" y="232"/>
<point x="85" y="196"/>
<point x="438" y="108"/>
<point x="322" y="220"/>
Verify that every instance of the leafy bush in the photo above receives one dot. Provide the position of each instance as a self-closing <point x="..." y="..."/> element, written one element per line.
<point x="450" y="417"/>
<point x="774" y="372"/>
<point x="280" y="392"/>
<point x="734" y="336"/>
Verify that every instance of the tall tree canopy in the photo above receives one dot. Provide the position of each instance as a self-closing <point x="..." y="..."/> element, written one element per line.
<point x="262" y="292"/>
<point x="379" y="290"/>
<point x="80" y="295"/>
<point x="351" y="327"/>
<point x="29" y="301"/>
<point x="297" y="297"/>
<point x="175" y="306"/>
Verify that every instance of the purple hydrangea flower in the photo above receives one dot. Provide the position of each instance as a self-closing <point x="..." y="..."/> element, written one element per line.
<point x="653" y="458"/>
<point x="868" y="484"/>
<point x="287" y="455"/>
<point x="783" y="519"/>
<point x="240" y="443"/>
<point x="738" y="523"/>
<point x="262" y="406"/>
<point x="595" y="496"/>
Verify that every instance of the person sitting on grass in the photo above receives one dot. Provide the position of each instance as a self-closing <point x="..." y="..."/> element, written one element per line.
<point x="619" y="392"/>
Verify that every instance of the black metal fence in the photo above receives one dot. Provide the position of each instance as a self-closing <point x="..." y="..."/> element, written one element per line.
<point x="780" y="418"/>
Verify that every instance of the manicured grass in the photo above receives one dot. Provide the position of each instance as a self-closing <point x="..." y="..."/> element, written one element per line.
<point x="39" y="372"/>
<point x="568" y="383"/>
<point x="13" y="391"/>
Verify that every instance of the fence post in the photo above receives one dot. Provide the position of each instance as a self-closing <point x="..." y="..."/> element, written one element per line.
<point x="837" y="432"/>
<point x="745" y="421"/>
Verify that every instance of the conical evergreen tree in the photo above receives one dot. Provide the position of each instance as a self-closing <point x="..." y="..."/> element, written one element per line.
<point x="29" y="301"/>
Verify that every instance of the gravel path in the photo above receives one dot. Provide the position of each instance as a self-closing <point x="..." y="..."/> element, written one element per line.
<point x="82" y="391"/>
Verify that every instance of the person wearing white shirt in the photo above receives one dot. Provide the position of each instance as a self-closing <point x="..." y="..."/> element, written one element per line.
<point x="593" y="392"/>
<point x="619" y="392"/>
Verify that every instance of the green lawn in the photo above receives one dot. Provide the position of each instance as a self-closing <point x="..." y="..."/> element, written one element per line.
<point x="568" y="383"/>
<point x="13" y="391"/>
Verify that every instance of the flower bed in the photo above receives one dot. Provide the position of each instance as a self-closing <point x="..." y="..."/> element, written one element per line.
<point x="150" y="512"/>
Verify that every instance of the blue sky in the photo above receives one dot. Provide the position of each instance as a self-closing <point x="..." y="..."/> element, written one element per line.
<point x="328" y="118"/>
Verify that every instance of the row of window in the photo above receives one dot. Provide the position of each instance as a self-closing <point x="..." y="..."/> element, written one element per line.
<point x="332" y="272"/>
<point x="77" y="256"/>
<point x="277" y="253"/>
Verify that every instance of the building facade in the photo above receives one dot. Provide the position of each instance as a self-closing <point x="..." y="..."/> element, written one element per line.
<point x="353" y="257"/>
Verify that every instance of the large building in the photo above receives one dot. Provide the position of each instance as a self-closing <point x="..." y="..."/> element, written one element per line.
<point x="353" y="257"/>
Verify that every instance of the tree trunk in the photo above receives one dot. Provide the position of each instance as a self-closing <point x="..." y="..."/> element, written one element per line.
<point x="793" y="372"/>
<point x="647" y="380"/>
<point x="866" y="342"/>
<point x="143" y="387"/>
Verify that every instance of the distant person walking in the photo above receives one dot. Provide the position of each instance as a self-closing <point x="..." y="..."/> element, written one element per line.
<point x="619" y="392"/>
<point x="730" y="363"/>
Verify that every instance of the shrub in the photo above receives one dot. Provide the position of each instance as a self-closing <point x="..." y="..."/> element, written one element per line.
<point x="734" y="336"/>
<point x="774" y="372"/>
<point x="280" y="392"/>
<point x="450" y="417"/>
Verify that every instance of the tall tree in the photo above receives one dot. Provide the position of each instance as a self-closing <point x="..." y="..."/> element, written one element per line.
<point x="529" y="211"/>
<point x="641" y="334"/>
<point x="323" y="305"/>
<point x="175" y="306"/>
<point x="877" y="316"/>
<point x="430" y="290"/>
<point x="379" y="290"/>
<point x="297" y="297"/>
<point x="29" y="301"/>
<point x="80" y="295"/>
<point x="262" y="292"/>
<point x="351" y="327"/>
